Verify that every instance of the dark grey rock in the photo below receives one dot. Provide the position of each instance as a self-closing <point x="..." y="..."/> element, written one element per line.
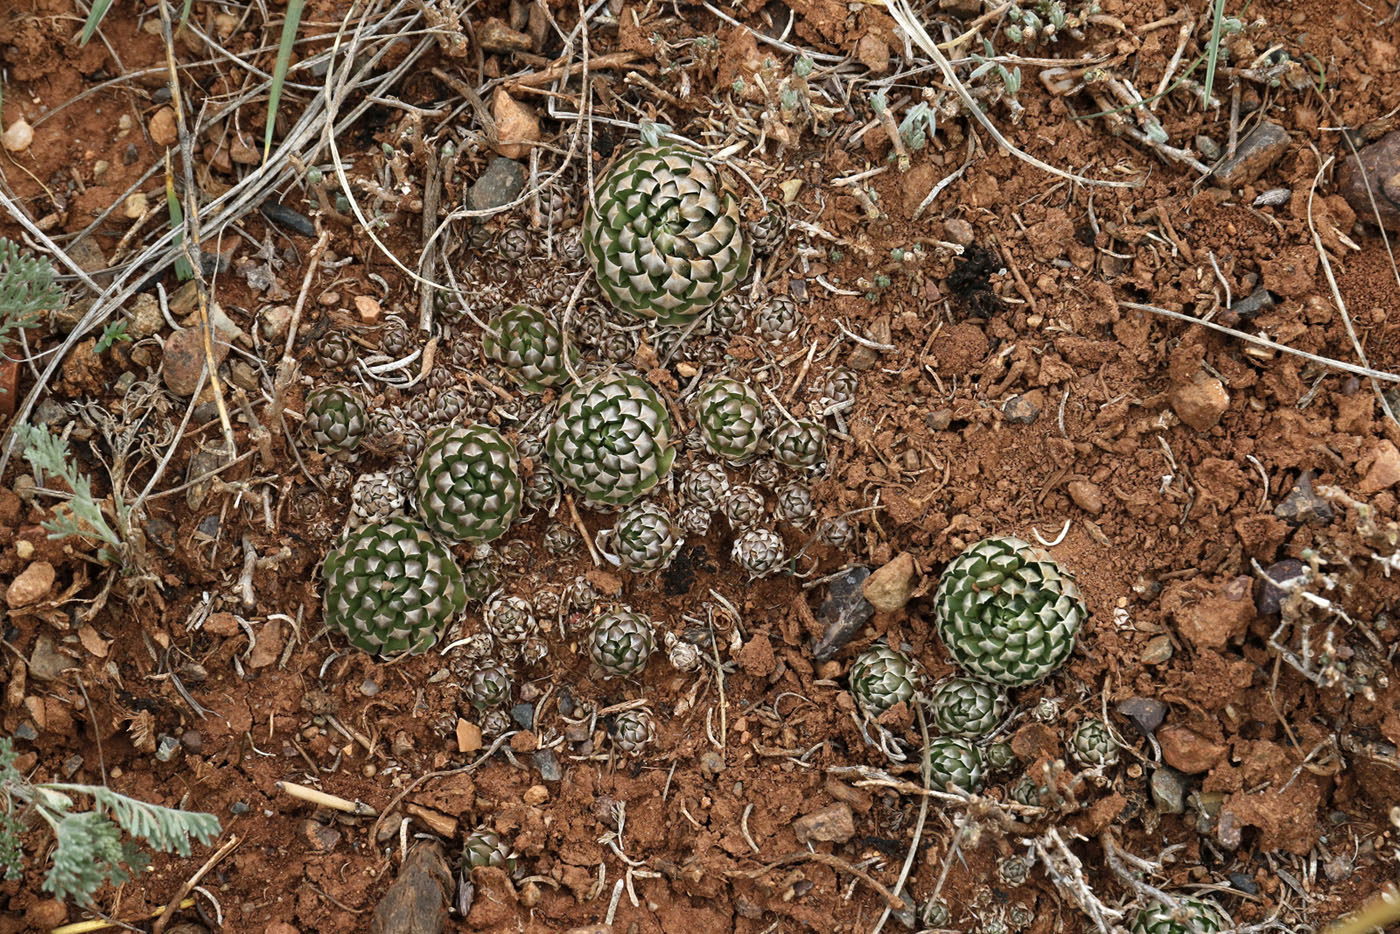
<point x="1257" y="301"/>
<point x="499" y="185"/>
<point x="844" y="612"/>
<point x="1146" y="713"/>
<point x="548" y="764"/>
<point x="1244" y="883"/>
<point x="1302" y="505"/>
<point x="523" y="714"/>
<point x="1268" y="599"/>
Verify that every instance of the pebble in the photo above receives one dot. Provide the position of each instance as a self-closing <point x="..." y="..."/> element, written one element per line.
<point x="193" y="741"/>
<point x="1188" y="751"/>
<point x="843" y="613"/>
<point x="495" y="36"/>
<point x="1244" y="883"/>
<point x="1303" y="506"/>
<point x="31" y="586"/>
<point x="146" y="319"/>
<point x="1210" y="150"/>
<point x="275" y="320"/>
<point x="1200" y="403"/>
<point x="939" y="419"/>
<point x="958" y="231"/>
<point x="1255" y="155"/>
<point x="1381" y="161"/>
<point x="1268" y="599"/>
<point x="499" y="185"/>
<point x="239" y="808"/>
<point x="567" y="704"/>
<point x="26" y="731"/>
<point x="242" y="151"/>
<point x="1384" y="471"/>
<point x="321" y="837"/>
<point x="832" y="824"/>
<point x="45" y="662"/>
<point x="890" y="587"/>
<point x="536" y="795"/>
<point x="1157" y="650"/>
<point x="369" y="687"/>
<point x="1146" y="713"/>
<point x="162" y="127"/>
<point x="135" y="206"/>
<point x="1259" y="300"/>
<point x="44" y="914"/>
<point x="183" y="360"/>
<point x="18" y="136"/>
<point x="1169" y="790"/>
<point x="369" y="309"/>
<point x="548" y="764"/>
<point x="711" y="763"/>
<point x="523" y="714"/>
<point x="1020" y="410"/>
<point x="1273" y="197"/>
<point x="517" y="127"/>
<point x="167" y="748"/>
<point x="468" y="736"/>
<point x="1086" y="496"/>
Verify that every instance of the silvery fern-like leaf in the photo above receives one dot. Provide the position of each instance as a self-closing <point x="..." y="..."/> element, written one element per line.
<point x="166" y="829"/>
<point x="26" y="288"/>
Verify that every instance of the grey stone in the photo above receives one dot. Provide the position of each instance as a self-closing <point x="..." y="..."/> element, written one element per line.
<point x="369" y="687"/>
<point x="1273" y="197"/>
<point x="1169" y="790"/>
<point x="1020" y="410"/>
<point x="1257" y="301"/>
<point x="167" y="748"/>
<point x="499" y="185"/>
<point x="26" y="731"/>
<point x="1303" y="506"/>
<point x="45" y="662"/>
<point x="1209" y="148"/>
<point x="1255" y="155"/>
<point x="1244" y="883"/>
<point x="843" y="613"/>
<point x="1146" y="713"/>
<point x="548" y="764"/>
<point x="523" y="714"/>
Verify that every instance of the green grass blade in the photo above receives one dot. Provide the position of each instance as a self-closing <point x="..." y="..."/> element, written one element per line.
<point x="185" y="13"/>
<point x="99" y="10"/>
<point x="290" y="25"/>
<point x="1213" y="53"/>
<point x="183" y="270"/>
